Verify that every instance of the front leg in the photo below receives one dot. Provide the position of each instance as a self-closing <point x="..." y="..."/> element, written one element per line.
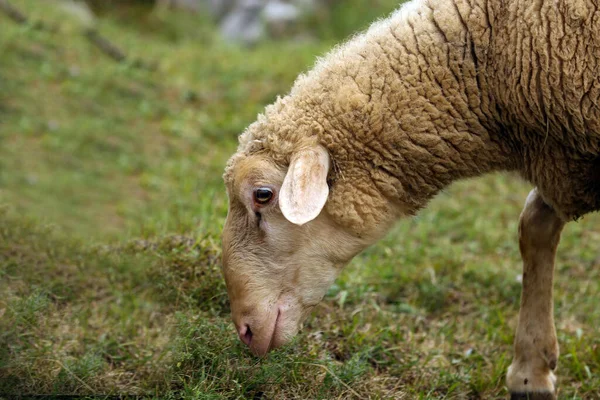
<point x="530" y="375"/>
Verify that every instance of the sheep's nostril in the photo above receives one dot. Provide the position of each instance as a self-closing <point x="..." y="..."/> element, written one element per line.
<point x="246" y="334"/>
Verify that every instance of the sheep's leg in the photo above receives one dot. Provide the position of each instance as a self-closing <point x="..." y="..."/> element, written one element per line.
<point x="530" y="375"/>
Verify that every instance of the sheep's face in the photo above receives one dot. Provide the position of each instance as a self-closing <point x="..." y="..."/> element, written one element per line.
<point x="280" y="252"/>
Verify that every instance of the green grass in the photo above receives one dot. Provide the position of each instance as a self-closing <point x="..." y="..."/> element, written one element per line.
<point x="111" y="207"/>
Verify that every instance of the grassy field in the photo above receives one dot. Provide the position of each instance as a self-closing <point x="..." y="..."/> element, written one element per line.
<point x="111" y="207"/>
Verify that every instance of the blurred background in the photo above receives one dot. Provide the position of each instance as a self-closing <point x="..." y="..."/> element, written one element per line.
<point x="109" y="108"/>
<point x="116" y="120"/>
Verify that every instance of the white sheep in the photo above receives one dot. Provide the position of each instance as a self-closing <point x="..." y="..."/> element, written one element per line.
<point x="440" y="91"/>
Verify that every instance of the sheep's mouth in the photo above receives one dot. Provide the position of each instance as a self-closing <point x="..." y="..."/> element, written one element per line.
<point x="259" y="347"/>
<point x="272" y="341"/>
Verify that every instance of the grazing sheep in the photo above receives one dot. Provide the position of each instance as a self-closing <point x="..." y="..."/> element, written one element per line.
<point x="440" y="91"/>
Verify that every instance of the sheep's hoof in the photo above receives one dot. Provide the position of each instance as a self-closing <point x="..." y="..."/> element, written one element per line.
<point x="532" y="396"/>
<point x="527" y="381"/>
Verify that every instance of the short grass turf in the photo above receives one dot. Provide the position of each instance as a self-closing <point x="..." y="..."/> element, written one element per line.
<point x="111" y="210"/>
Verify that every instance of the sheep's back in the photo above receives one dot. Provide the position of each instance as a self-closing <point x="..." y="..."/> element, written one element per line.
<point x="545" y="60"/>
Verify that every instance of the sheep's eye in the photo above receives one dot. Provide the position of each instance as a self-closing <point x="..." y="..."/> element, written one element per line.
<point x="263" y="195"/>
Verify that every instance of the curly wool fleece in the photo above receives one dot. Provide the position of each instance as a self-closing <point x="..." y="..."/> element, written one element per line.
<point x="443" y="90"/>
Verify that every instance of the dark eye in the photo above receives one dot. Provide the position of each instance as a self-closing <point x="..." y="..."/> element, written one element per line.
<point x="263" y="195"/>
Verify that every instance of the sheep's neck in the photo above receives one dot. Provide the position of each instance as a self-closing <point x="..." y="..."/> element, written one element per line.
<point x="403" y="113"/>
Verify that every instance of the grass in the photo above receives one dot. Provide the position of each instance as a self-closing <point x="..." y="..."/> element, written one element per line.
<point x="111" y="209"/>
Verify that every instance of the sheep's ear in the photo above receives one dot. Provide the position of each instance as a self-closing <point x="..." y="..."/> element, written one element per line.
<point x="304" y="191"/>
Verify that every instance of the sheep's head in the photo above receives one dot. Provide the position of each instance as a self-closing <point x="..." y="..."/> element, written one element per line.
<point x="280" y="251"/>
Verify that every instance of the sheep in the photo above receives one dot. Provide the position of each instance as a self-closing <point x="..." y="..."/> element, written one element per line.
<point x="441" y="90"/>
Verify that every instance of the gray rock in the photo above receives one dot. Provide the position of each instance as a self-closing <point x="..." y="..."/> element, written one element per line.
<point x="249" y="21"/>
<point x="280" y="12"/>
<point x="244" y="24"/>
<point x="280" y="18"/>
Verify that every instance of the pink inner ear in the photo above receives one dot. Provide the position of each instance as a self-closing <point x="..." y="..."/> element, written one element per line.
<point x="305" y="190"/>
